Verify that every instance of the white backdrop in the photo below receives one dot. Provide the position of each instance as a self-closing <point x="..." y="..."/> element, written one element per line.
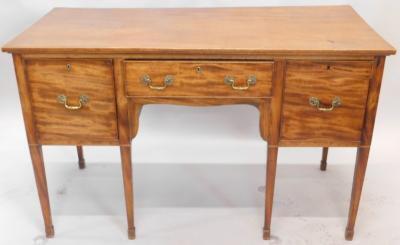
<point x="172" y="134"/>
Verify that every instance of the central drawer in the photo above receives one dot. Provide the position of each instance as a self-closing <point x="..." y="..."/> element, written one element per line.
<point x="198" y="79"/>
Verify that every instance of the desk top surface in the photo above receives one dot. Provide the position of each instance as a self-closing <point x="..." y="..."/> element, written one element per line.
<point x="328" y="30"/>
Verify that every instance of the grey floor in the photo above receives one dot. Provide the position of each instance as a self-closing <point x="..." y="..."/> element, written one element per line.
<point x="201" y="204"/>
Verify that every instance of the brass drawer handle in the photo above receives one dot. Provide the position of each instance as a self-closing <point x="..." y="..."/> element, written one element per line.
<point x="63" y="99"/>
<point x="336" y="102"/>
<point x="168" y="80"/>
<point x="230" y="80"/>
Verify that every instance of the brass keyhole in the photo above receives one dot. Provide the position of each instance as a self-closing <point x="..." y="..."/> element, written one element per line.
<point x="199" y="70"/>
<point x="69" y="66"/>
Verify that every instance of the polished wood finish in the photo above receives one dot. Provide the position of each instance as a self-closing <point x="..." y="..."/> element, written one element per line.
<point x="34" y="148"/>
<point x="198" y="79"/>
<point x="272" y="157"/>
<point x="358" y="181"/>
<point x="363" y="149"/>
<point x="134" y="113"/>
<point x="318" y="30"/>
<point x="128" y="188"/>
<point x="294" y="52"/>
<point x="324" y="159"/>
<point x="372" y="101"/>
<point x="273" y="139"/>
<point x="94" y="122"/>
<point x="198" y="101"/>
<point x="125" y="143"/>
<point x="41" y="185"/>
<point x="264" y="108"/>
<point x="25" y="99"/>
<point x="325" y="80"/>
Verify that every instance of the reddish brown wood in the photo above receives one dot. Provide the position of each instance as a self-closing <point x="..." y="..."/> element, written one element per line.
<point x="122" y="103"/>
<point x="25" y="98"/>
<point x="372" y="101"/>
<point x="363" y="150"/>
<point x="41" y="185"/>
<point x="96" y="121"/>
<point x="321" y="142"/>
<point x="358" y="181"/>
<point x="34" y="148"/>
<point x="198" y="79"/>
<point x="125" y="144"/>
<point x="134" y="113"/>
<point x="324" y="158"/>
<point x="81" y="159"/>
<point x="264" y="108"/>
<point x="197" y="101"/>
<point x="274" y="123"/>
<point x="272" y="154"/>
<point x="312" y="30"/>
<point x="128" y="188"/>
<point x="326" y="80"/>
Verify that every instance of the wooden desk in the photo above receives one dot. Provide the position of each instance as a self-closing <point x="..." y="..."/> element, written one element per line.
<point x="313" y="72"/>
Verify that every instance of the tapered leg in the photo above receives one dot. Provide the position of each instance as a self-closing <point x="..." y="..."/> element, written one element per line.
<point x="359" y="174"/>
<point x="81" y="160"/>
<point x="41" y="185"/>
<point x="269" y="189"/>
<point x="128" y="188"/>
<point x="323" y="159"/>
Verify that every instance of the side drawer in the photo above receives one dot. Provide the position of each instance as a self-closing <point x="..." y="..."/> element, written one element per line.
<point x="325" y="101"/>
<point x="198" y="79"/>
<point x="73" y="100"/>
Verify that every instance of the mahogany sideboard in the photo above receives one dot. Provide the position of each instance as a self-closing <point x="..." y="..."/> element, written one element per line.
<point x="314" y="73"/>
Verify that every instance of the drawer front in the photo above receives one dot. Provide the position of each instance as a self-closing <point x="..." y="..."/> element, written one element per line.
<point x="78" y="80"/>
<point x="198" y="79"/>
<point x="345" y="84"/>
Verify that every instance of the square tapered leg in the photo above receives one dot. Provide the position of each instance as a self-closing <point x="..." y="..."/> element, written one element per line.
<point x="324" y="158"/>
<point x="81" y="159"/>
<point x="128" y="188"/>
<point x="41" y="185"/>
<point x="269" y="189"/>
<point x="358" y="181"/>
